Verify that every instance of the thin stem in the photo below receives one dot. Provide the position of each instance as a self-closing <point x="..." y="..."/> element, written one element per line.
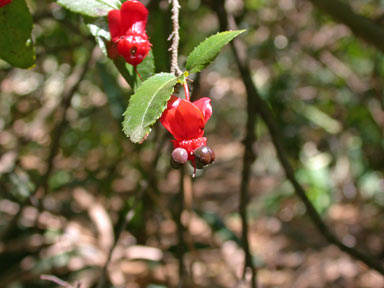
<point x="137" y="72"/>
<point x="269" y="120"/>
<point x="175" y="37"/>
<point x="186" y="91"/>
<point x="180" y="230"/>
<point x="248" y="158"/>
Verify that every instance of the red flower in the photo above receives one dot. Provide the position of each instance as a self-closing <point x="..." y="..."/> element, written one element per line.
<point x="127" y="27"/>
<point x="4" y="2"/>
<point x="186" y="121"/>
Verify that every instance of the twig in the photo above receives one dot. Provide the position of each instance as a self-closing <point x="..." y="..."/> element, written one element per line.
<point x="249" y="155"/>
<point x="128" y="217"/>
<point x="58" y="281"/>
<point x="175" y="37"/>
<point x="248" y="159"/>
<point x="180" y="230"/>
<point x="268" y="118"/>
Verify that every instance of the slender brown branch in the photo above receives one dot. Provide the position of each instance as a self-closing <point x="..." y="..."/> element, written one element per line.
<point x="361" y="26"/>
<point x="249" y="154"/>
<point x="268" y="118"/>
<point x="248" y="158"/>
<point x="175" y="37"/>
<point x="180" y="230"/>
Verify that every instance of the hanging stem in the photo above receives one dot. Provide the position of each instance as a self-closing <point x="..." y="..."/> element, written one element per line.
<point x="176" y="71"/>
<point x="180" y="230"/>
<point x="175" y="37"/>
<point x="186" y="91"/>
<point x="137" y="72"/>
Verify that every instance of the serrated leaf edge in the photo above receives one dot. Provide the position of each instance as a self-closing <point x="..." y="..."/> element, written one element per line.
<point x="142" y="120"/>
<point x="150" y="102"/>
<point x="223" y="32"/>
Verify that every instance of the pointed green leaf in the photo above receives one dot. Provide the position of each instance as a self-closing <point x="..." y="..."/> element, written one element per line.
<point x="16" y="24"/>
<point x="91" y="8"/>
<point x="207" y="50"/>
<point x="147" y="105"/>
<point x="146" y="69"/>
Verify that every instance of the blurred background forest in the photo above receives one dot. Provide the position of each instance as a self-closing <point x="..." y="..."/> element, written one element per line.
<point x="70" y="179"/>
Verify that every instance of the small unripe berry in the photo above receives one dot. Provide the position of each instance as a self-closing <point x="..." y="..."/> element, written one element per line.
<point x="203" y="156"/>
<point x="179" y="157"/>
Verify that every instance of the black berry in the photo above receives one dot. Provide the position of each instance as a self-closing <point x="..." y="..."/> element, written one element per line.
<point x="203" y="156"/>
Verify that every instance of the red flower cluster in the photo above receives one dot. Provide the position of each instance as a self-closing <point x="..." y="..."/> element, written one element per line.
<point x="186" y="121"/>
<point x="127" y="28"/>
<point x="4" y="2"/>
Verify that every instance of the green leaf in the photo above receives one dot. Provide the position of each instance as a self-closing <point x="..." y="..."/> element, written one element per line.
<point x="207" y="50"/>
<point x="91" y="8"/>
<point x="99" y="29"/>
<point x="16" y="25"/>
<point x="146" y="69"/>
<point x="147" y="105"/>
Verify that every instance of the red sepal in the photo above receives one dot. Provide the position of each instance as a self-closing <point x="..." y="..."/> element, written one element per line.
<point x="114" y="23"/>
<point x="133" y="17"/>
<point x="183" y="119"/>
<point x="204" y="104"/>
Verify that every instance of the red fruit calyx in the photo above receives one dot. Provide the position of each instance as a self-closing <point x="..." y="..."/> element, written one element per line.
<point x="134" y="48"/>
<point x="190" y="145"/>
